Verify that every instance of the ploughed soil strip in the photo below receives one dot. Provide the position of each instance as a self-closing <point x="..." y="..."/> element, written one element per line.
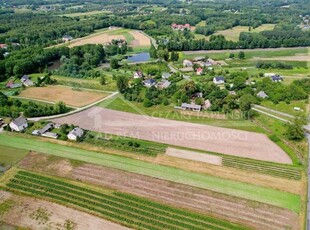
<point x="254" y="214"/>
<point x="190" y="135"/>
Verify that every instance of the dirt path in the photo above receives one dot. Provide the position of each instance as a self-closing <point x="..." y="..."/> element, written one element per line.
<point x="190" y="135"/>
<point x="40" y="215"/>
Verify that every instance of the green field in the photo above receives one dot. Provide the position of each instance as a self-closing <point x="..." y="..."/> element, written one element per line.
<point x="228" y="187"/>
<point x="126" y="209"/>
<point x="234" y="33"/>
<point x="287" y="108"/>
<point x="10" y="155"/>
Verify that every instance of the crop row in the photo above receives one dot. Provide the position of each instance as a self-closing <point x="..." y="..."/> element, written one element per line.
<point x="141" y="210"/>
<point x="278" y="171"/>
<point x="115" y="201"/>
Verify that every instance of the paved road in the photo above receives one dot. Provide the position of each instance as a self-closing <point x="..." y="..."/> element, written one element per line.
<point x="74" y="111"/>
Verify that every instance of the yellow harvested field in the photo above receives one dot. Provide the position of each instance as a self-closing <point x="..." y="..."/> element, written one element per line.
<point x="65" y="94"/>
<point x="139" y="39"/>
<point x="134" y="38"/>
<point x="101" y="38"/>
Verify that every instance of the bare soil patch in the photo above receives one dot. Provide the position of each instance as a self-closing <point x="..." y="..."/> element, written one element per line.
<point x="39" y="214"/>
<point x="194" y="156"/>
<point x="76" y="98"/>
<point x="190" y="135"/>
<point x="140" y="39"/>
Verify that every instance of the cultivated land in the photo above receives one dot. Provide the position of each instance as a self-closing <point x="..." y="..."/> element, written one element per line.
<point x="252" y="214"/>
<point x="129" y="210"/>
<point x="134" y="38"/>
<point x="39" y="214"/>
<point x="228" y="187"/>
<point x="71" y="97"/>
<point x="207" y="138"/>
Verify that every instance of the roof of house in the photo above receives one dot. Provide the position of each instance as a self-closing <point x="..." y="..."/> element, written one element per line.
<point x="78" y="132"/>
<point x="139" y="73"/>
<point x="67" y="37"/>
<point x="276" y="78"/>
<point x="190" y="106"/>
<point x="262" y="94"/>
<point x="150" y="81"/>
<point x="28" y="82"/>
<point x="19" y="121"/>
<point x="219" y="78"/>
<point x="199" y="69"/>
<point x="46" y="128"/>
<point x="25" y="78"/>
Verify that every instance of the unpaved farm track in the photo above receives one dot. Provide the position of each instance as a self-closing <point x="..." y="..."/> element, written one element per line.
<point x="253" y="214"/>
<point x="190" y="135"/>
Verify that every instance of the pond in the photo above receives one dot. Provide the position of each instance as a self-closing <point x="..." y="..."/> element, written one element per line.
<point x="141" y="57"/>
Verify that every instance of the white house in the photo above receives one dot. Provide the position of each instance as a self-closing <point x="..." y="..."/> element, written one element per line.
<point x="26" y="81"/>
<point x="219" y="80"/>
<point x="187" y="63"/>
<point x="75" y="134"/>
<point x="138" y="74"/>
<point x="19" y="124"/>
<point x="262" y="95"/>
<point x="66" y="38"/>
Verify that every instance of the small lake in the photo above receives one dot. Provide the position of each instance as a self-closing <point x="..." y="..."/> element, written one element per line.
<point x="141" y="57"/>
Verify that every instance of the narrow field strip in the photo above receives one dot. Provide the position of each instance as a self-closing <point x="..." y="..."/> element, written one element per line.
<point x="263" y="168"/>
<point x="141" y="212"/>
<point x="228" y="187"/>
<point x="186" y="198"/>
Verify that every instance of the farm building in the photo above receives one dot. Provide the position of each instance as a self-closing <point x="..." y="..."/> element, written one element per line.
<point x="75" y="134"/>
<point x="19" y="124"/>
<point x="219" y="80"/>
<point x="192" y="107"/>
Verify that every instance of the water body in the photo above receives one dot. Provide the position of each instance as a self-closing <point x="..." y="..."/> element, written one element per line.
<point x="141" y="57"/>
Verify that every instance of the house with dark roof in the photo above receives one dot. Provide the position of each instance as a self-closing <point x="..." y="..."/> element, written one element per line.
<point x="75" y="133"/>
<point x="218" y="80"/>
<point x="19" y="124"/>
<point x="276" y="78"/>
<point x="149" y="83"/>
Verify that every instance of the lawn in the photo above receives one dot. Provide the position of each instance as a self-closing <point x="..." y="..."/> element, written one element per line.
<point x="287" y="108"/>
<point x="87" y="83"/>
<point x="11" y="155"/>
<point x="228" y="187"/>
<point x="234" y="33"/>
